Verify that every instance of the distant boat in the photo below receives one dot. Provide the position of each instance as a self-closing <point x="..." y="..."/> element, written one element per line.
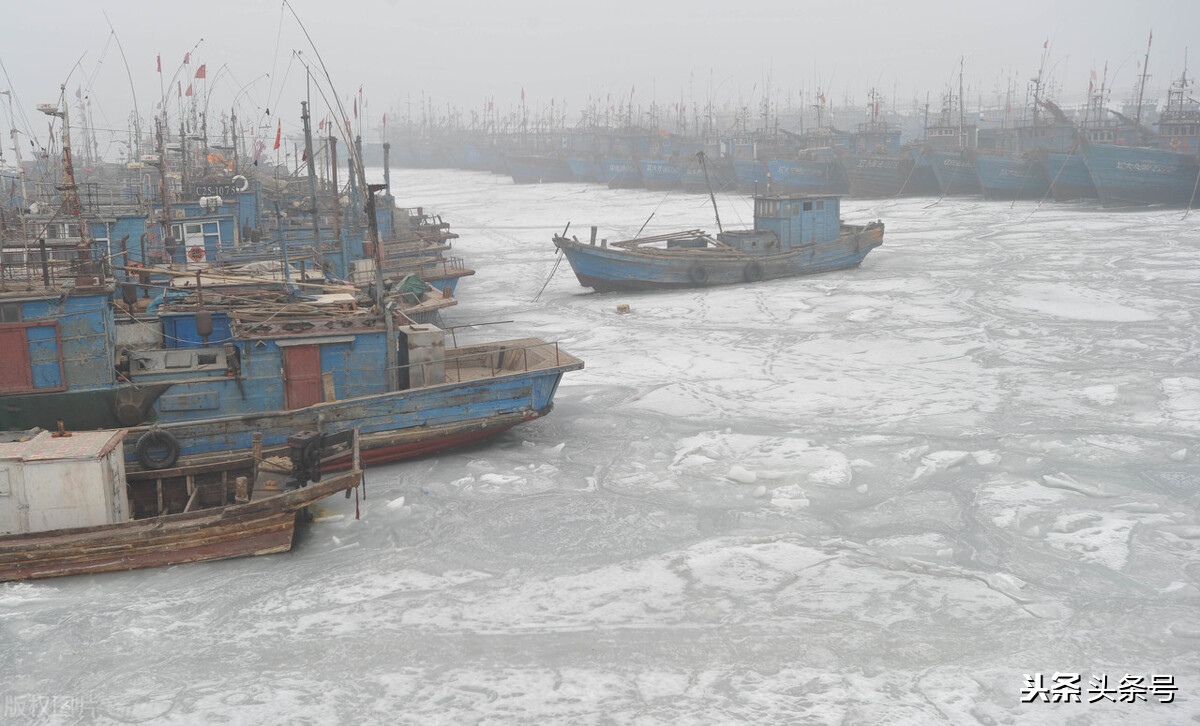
<point x="1009" y="161"/>
<point x="792" y="235"/>
<point x="948" y="141"/>
<point x="70" y="507"/>
<point x="878" y="166"/>
<point x="1167" y="171"/>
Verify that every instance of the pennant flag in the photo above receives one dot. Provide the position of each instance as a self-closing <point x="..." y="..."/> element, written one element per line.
<point x="189" y="90"/>
<point x="278" y="133"/>
<point x="200" y="72"/>
<point x="187" y="58"/>
<point x="822" y="97"/>
<point x="1046" y="44"/>
<point x="79" y="92"/>
<point x="160" y="62"/>
<point x="321" y="126"/>
<point x="304" y="155"/>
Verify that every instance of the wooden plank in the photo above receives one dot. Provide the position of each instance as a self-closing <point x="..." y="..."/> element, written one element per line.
<point x="327" y="384"/>
<point x="191" y="500"/>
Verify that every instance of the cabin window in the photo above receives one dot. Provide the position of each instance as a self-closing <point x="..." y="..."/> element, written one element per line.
<point x="767" y="208"/>
<point x="808" y="206"/>
<point x="10" y="313"/>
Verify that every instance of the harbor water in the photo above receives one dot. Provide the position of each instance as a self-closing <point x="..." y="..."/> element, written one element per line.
<point x="913" y="492"/>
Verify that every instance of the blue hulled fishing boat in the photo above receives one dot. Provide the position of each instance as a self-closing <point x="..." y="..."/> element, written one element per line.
<point x="792" y="235"/>
<point x="1167" y="171"/>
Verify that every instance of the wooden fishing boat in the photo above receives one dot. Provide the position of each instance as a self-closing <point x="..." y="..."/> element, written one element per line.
<point x="793" y="235"/>
<point x="68" y="507"/>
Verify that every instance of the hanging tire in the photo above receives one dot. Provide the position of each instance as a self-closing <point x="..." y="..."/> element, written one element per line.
<point x="752" y="272"/>
<point x="698" y="274"/>
<point x="151" y="447"/>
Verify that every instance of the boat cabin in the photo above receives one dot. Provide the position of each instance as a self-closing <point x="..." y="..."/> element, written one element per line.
<point x="52" y="482"/>
<point x="797" y="219"/>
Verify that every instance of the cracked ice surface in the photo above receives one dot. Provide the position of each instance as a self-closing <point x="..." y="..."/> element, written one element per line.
<point x="881" y="495"/>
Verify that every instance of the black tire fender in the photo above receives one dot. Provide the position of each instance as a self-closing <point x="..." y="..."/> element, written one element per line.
<point x="698" y="274"/>
<point x="157" y="439"/>
<point x="752" y="272"/>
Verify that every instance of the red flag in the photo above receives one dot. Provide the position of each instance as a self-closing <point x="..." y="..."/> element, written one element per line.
<point x="321" y="126"/>
<point x="385" y="119"/>
<point x="186" y="58"/>
<point x="489" y="105"/>
<point x="200" y="72"/>
<point x="1046" y="44"/>
<point x="356" y="108"/>
<point x="79" y="92"/>
<point x="304" y="155"/>
<point x="160" y="63"/>
<point x="189" y="90"/>
<point x="278" y="133"/>
<point x="822" y="97"/>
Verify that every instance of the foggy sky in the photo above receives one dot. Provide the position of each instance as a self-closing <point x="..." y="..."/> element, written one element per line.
<point x="463" y="54"/>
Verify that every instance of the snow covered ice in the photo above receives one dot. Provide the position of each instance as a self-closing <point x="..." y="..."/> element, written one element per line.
<point x="882" y="495"/>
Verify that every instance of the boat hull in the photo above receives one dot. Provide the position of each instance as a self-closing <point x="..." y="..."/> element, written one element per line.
<point x="1133" y="176"/>
<point x="609" y="270"/>
<point x="955" y="173"/>
<point x="1069" y="177"/>
<point x="258" y="527"/>
<point x="1003" y="177"/>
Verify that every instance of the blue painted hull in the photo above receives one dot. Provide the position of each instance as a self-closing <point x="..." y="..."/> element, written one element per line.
<point x="889" y="175"/>
<point x="584" y="169"/>
<point x="1069" y="177"/>
<point x="538" y="169"/>
<point x="1003" y="177"/>
<point x="393" y="425"/>
<point x="955" y="173"/>
<point x="720" y="176"/>
<point x="608" y="269"/>
<point x="751" y="174"/>
<point x="1127" y="175"/>
<point x="806" y="176"/>
<point x="660" y="174"/>
<point x="620" y="173"/>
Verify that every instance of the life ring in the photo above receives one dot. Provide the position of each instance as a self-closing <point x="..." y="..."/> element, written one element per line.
<point x="240" y="183"/>
<point x="149" y="446"/>
<point x="752" y="272"/>
<point x="698" y="274"/>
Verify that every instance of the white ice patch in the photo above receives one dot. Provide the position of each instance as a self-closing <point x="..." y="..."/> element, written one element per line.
<point x="1102" y="395"/>
<point x="940" y="461"/>
<point x="747" y="459"/>
<point x="1094" y="537"/>
<point x="1182" y="404"/>
<point x="1065" y="300"/>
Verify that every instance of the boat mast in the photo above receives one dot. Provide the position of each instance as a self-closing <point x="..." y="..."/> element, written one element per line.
<point x="962" y="107"/>
<point x="1137" y="120"/>
<point x="704" y="166"/>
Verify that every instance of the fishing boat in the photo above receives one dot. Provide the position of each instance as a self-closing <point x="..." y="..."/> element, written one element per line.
<point x="879" y="166"/>
<point x="1164" y="169"/>
<point x="792" y="235"/>
<point x="68" y="506"/>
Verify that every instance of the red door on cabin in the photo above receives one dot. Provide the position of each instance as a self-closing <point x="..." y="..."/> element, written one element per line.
<point x="14" y="361"/>
<point x="302" y="376"/>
